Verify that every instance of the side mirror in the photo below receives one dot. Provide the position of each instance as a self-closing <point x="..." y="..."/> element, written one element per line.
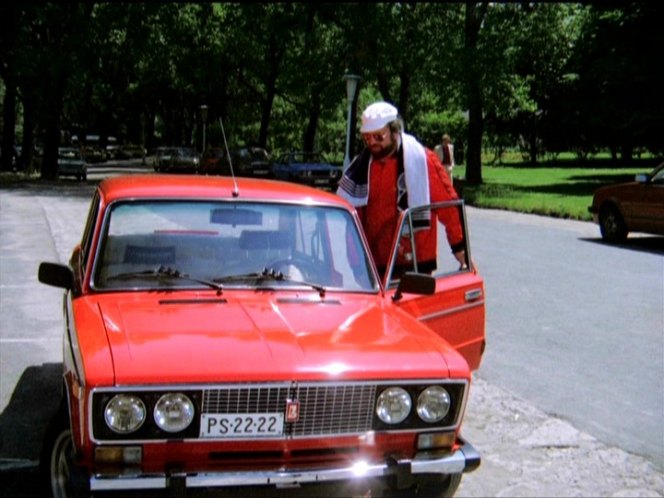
<point x="56" y="275"/>
<point x="415" y="283"/>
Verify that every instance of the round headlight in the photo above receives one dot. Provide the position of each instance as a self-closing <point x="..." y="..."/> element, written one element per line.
<point x="433" y="404"/>
<point x="124" y="413"/>
<point x="173" y="412"/>
<point x="393" y="405"/>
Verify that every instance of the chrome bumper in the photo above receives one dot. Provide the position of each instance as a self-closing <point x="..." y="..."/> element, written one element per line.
<point x="465" y="459"/>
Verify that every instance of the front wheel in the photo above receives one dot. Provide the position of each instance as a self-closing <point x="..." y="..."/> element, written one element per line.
<point x="61" y="477"/>
<point x="611" y="224"/>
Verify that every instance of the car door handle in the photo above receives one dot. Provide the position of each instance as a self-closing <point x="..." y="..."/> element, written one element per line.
<point x="473" y="295"/>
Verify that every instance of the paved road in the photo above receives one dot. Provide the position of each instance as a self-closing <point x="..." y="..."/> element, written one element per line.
<point x="575" y="325"/>
<point x="528" y="448"/>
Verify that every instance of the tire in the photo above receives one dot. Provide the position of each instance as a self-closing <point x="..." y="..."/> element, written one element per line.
<point x="61" y="478"/>
<point x="439" y="486"/>
<point x="611" y="224"/>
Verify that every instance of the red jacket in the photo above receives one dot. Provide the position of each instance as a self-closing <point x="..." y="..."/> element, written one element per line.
<point x="380" y="216"/>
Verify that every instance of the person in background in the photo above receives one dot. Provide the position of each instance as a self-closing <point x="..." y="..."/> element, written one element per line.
<point x="392" y="173"/>
<point x="445" y="153"/>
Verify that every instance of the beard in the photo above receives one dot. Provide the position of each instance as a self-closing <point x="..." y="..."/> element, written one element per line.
<point x="383" y="149"/>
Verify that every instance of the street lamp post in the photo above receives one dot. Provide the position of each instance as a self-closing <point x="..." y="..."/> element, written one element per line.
<point x="352" y="81"/>
<point x="204" y="110"/>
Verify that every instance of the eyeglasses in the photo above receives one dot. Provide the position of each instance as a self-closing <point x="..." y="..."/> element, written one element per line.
<point x="376" y="137"/>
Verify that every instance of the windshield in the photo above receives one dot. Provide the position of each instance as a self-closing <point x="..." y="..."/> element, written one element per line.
<point x="218" y="241"/>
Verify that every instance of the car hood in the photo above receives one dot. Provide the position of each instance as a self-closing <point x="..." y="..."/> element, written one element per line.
<point x="617" y="189"/>
<point x="161" y="340"/>
<point x="617" y="186"/>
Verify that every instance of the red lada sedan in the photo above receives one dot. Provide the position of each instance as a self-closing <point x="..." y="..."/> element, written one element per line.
<point x="230" y="334"/>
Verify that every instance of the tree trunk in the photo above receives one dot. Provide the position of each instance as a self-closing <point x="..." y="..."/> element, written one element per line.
<point x="9" y="117"/>
<point x="475" y="131"/>
<point x="473" y="23"/>
<point x="53" y="111"/>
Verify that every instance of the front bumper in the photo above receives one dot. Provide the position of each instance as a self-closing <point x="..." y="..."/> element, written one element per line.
<point x="464" y="459"/>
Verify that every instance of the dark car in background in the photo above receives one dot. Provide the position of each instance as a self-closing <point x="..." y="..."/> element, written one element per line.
<point x="175" y="160"/>
<point x="246" y="161"/>
<point x="129" y="151"/>
<point x="71" y="163"/>
<point x="182" y="160"/>
<point x="161" y="156"/>
<point x="308" y="168"/>
<point x="91" y="148"/>
<point x="636" y="206"/>
<point x="213" y="162"/>
<point x="251" y="161"/>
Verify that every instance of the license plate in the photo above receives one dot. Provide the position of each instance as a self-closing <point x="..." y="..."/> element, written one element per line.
<point x="321" y="182"/>
<point x="260" y="172"/>
<point x="241" y="425"/>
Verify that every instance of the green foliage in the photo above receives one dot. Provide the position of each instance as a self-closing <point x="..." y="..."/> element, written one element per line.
<point x="540" y="77"/>
<point x="561" y="191"/>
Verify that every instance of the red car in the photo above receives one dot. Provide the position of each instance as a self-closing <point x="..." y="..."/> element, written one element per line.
<point x="636" y="206"/>
<point x="227" y="333"/>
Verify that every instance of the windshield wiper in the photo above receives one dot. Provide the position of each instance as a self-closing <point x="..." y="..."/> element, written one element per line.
<point x="165" y="272"/>
<point x="270" y="274"/>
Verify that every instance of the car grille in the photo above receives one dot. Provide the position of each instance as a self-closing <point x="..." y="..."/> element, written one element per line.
<point x="325" y="409"/>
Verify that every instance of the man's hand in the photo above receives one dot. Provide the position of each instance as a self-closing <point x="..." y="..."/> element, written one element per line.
<point x="461" y="258"/>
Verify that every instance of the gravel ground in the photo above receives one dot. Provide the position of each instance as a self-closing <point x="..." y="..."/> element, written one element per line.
<point x="526" y="452"/>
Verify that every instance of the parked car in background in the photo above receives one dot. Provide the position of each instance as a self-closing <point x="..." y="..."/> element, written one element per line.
<point x="214" y="162"/>
<point x="161" y="156"/>
<point x="246" y="161"/>
<point x="251" y="161"/>
<point x="91" y="148"/>
<point x="636" y="206"/>
<point x="234" y="333"/>
<point x="71" y="163"/>
<point x="181" y="160"/>
<point x="308" y="168"/>
<point x="129" y="151"/>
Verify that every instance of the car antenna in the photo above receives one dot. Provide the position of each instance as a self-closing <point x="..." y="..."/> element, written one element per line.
<point x="236" y="191"/>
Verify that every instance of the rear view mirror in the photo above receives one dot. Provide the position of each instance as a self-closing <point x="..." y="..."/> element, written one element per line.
<point x="236" y="216"/>
<point x="415" y="283"/>
<point x="56" y="275"/>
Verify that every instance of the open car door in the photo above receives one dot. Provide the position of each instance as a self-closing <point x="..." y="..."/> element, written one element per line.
<point x="455" y="310"/>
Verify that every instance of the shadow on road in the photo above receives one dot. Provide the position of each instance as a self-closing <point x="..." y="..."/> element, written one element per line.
<point x="22" y="428"/>
<point x="654" y="245"/>
<point x="33" y="403"/>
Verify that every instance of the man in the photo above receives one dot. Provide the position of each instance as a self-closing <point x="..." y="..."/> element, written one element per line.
<point x="445" y="152"/>
<point x="395" y="172"/>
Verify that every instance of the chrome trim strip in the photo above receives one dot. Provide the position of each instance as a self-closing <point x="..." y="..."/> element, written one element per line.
<point x="127" y="482"/>
<point x="465" y="459"/>
<point x="449" y="311"/>
<point x="291" y="385"/>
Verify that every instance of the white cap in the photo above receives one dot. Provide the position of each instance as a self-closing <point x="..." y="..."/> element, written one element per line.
<point x="377" y="115"/>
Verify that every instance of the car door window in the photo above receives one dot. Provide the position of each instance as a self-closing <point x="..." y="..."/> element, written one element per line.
<point x="456" y="309"/>
<point x="425" y="250"/>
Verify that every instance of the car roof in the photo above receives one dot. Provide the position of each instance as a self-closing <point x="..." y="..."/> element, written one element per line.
<point x="212" y="187"/>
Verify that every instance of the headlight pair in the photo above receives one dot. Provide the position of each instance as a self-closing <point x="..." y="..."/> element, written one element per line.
<point x="125" y="413"/>
<point x="394" y="404"/>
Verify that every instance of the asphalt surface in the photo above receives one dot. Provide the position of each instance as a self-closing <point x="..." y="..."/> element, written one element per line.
<point x="525" y="451"/>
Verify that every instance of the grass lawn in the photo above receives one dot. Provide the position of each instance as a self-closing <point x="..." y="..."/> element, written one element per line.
<point x="563" y="191"/>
